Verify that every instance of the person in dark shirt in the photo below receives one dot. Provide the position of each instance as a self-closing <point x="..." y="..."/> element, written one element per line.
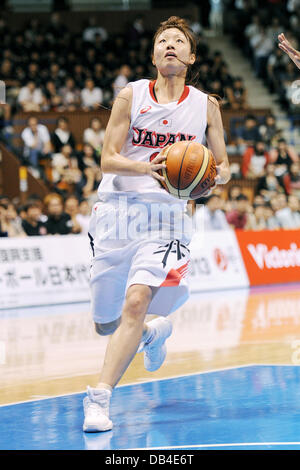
<point x="248" y="133"/>
<point x="62" y="135"/>
<point x="32" y="225"/>
<point x="58" y="222"/>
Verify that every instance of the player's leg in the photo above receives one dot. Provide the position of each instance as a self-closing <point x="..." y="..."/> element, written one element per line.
<point x="163" y="265"/>
<point x="124" y="343"/>
<point x="120" y="351"/>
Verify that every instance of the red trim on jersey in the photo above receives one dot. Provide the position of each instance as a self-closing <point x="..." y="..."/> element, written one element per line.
<point x="174" y="276"/>
<point x="184" y="95"/>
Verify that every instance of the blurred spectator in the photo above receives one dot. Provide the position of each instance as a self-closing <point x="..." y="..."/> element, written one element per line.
<point x="291" y="180"/>
<point x="91" y="96"/>
<point x="248" y="133"/>
<point x="136" y="30"/>
<point x="121" y="80"/>
<point x="58" y="222"/>
<point x="94" y="135"/>
<point x="256" y="219"/>
<point x="3" y="230"/>
<point x="268" y="185"/>
<point x="30" y="97"/>
<point x="233" y="192"/>
<point x="10" y="223"/>
<point x="90" y="167"/>
<point x="56" y="28"/>
<point x="72" y="208"/>
<point x="62" y="135"/>
<point x="268" y="131"/>
<point x="283" y="156"/>
<point x="32" y="224"/>
<point x="275" y="67"/>
<point x="255" y="160"/>
<point x="70" y="94"/>
<point x="289" y="216"/>
<point x="262" y="47"/>
<point x="92" y="29"/>
<point x="53" y="101"/>
<point x="214" y="217"/>
<point x="66" y="173"/>
<point x="237" y="218"/>
<point x="237" y="94"/>
<point x="272" y="222"/>
<point x="83" y="216"/>
<point x="37" y="144"/>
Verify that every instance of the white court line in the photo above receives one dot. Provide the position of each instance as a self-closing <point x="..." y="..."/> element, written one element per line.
<point x="233" y="444"/>
<point x="135" y="383"/>
<point x="153" y="380"/>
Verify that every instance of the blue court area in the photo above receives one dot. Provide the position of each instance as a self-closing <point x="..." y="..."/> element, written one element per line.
<point x="254" y="407"/>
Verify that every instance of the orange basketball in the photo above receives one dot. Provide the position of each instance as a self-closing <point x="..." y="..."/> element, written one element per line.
<point x="191" y="169"/>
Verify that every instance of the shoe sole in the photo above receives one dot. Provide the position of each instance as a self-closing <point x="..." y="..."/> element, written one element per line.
<point x="95" y="428"/>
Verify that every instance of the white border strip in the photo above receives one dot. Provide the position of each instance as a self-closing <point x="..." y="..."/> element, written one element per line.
<point x="233" y="444"/>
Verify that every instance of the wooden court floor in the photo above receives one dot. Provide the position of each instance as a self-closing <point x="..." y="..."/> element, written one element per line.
<point x="49" y="351"/>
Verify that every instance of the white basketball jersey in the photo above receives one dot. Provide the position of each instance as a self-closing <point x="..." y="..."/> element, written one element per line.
<point x="154" y="126"/>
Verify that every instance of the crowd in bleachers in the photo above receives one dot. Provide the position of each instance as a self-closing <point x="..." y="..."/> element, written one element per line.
<point x="48" y="68"/>
<point x="255" y="29"/>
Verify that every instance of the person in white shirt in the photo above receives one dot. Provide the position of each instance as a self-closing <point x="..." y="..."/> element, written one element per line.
<point x="289" y="216"/>
<point x="94" y="135"/>
<point x="213" y="217"/>
<point x="91" y="96"/>
<point x="30" y="98"/>
<point x="121" y="80"/>
<point x="262" y="47"/>
<point x="84" y="216"/>
<point x="92" y="29"/>
<point x="36" y="139"/>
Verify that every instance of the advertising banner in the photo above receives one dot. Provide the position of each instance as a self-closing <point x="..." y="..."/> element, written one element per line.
<point x="271" y="257"/>
<point x="216" y="262"/>
<point x="44" y="270"/>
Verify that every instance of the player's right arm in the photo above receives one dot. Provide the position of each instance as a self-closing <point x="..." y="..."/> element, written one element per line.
<point x="115" y="136"/>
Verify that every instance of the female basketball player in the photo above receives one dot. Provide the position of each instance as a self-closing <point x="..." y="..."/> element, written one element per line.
<point x="135" y="276"/>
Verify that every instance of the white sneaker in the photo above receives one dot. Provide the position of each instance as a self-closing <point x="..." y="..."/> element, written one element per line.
<point x="96" y="410"/>
<point x="155" y="351"/>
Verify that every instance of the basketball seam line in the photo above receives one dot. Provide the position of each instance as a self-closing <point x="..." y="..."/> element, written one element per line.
<point x="201" y="173"/>
<point x="178" y="181"/>
<point x="196" y="176"/>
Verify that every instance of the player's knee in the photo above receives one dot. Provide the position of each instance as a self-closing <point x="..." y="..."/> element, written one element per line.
<point x="105" y="329"/>
<point x="137" y="303"/>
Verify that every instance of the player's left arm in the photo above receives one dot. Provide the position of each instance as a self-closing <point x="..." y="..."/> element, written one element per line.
<point x="215" y="140"/>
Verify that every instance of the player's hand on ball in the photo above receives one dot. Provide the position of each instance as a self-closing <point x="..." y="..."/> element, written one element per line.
<point x="223" y="174"/>
<point x="156" y="165"/>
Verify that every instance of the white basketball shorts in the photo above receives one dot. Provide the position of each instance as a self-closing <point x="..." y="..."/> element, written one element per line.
<point x="124" y="254"/>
